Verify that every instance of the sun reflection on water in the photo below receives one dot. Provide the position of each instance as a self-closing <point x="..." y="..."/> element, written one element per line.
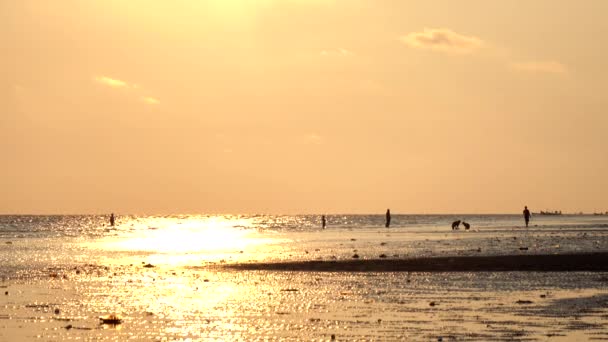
<point x="172" y="240"/>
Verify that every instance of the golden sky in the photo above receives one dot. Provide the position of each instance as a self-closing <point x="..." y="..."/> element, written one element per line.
<point x="303" y="106"/>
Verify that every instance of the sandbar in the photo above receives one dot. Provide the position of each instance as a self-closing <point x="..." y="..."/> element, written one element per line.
<point x="583" y="262"/>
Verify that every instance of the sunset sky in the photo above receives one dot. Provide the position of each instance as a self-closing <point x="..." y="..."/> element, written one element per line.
<point x="303" y="106"/>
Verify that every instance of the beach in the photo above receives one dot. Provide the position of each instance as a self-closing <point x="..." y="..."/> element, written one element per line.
<point x="285" y="278"/>
<point x="303" y="170"/>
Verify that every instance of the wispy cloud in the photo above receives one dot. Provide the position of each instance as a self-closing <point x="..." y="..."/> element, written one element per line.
<point x="313" y="139"/>
<point x="111" y="82"/>
<point x="337" y="52"/>
<point x="17" y="88"/>
<point x="443" y="40"/>
<point x="149" y="100"/>
<point x="551" y="67"/>
<point x="133" y="88"/>
<point x="372" y="87"/>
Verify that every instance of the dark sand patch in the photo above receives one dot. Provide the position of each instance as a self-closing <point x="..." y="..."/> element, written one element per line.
<point x="589" y="262"/>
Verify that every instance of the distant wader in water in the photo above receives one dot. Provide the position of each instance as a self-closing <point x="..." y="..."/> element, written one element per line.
<point x="388" y="218"/>
<point x="112" y="220"/>
<point x="323" y="221"/>
<point x="526" y="215"/>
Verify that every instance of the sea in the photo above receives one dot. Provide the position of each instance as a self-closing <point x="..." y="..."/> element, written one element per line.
<point x="160" y="274"/>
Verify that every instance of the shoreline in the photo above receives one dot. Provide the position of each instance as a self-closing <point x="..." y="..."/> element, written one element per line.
<point x="577" y="262"/>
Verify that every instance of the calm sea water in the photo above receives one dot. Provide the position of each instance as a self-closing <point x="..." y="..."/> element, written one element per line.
<point x="94" y="226"/>
<point x="30" y="243"/>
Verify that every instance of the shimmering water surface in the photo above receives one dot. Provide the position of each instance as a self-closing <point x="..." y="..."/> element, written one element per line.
<point x="156" y="273"/>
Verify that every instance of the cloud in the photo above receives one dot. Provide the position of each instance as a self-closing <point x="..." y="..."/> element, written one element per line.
<point x="372" y="87"/>
<point x="18" y="90"/>
<point x="551" y="67"/>
<point x="111" y="82"/>
<point x="133" y="88"/>
<point x="313" y="139"/>
<point x="442" y="40"/>
<point x="149" y="100"/>
<point x="337" y="52"/>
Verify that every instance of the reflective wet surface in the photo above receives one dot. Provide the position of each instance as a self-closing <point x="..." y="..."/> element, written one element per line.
<point x="160" y="276"/>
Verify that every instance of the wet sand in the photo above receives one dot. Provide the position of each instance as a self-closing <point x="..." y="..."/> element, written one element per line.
<point x="589" y="262"/>
<point x="165" y="303"/>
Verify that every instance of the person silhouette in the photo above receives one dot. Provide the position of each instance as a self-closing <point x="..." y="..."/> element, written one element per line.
<point x="526" y="215"/>
<point x="323" y="221"/>
<point x="388" y="218"/>
<point x="112" y="220"/>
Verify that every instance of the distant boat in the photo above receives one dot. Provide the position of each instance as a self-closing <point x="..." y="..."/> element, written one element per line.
<point x="550" y="212"/>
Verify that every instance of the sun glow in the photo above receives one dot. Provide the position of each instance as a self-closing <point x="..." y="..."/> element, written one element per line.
<point x="185" y="240"/>
<point x="181" y="240"/>
<point x="212" y="234"/>
<point x="230" y="9"/>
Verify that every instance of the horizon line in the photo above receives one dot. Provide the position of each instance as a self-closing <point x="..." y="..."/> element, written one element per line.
<point x="286" y="214"/>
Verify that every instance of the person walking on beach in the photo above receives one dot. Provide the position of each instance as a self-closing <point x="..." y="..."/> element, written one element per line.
<point x="526" y="215"/>
<point x="323" y="221"/>
<point x="112" y="220"/>
<point x="388" y="218"/>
